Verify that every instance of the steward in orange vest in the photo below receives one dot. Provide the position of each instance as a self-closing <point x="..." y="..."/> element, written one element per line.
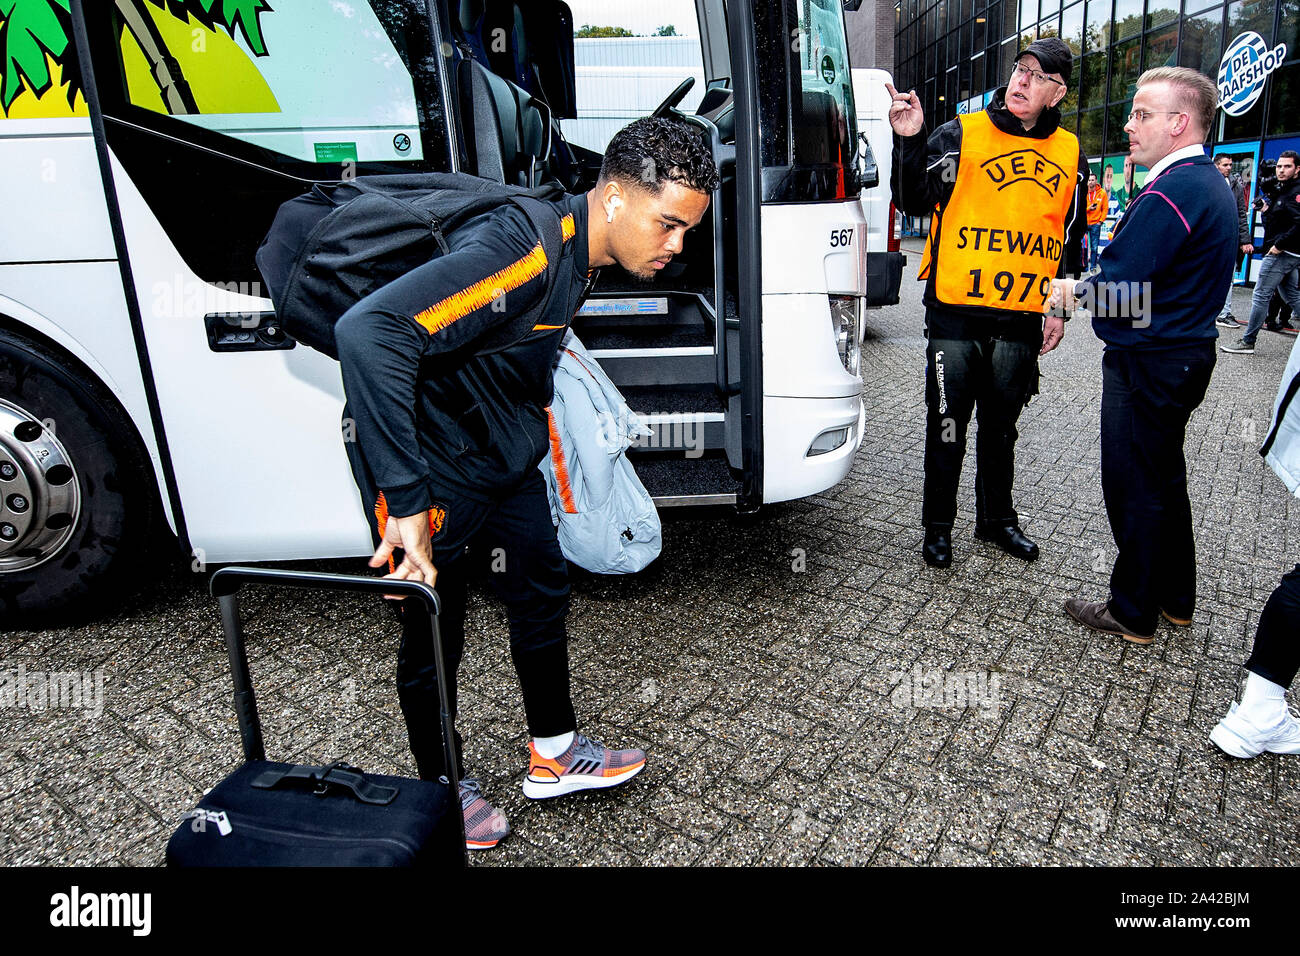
<point x="1005" y="190"/>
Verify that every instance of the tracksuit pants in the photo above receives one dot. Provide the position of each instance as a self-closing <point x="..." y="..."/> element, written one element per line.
<point x="514" y="541"/>
<point x="994" y="378"/>
<point x="1276" y="654"/>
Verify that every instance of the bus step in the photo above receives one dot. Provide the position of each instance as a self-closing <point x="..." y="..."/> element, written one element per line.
<point x="646" y="336"/>
<point x="683" y="365"/>
<point x="673" y="480"/>
<point x="690" y="434"/>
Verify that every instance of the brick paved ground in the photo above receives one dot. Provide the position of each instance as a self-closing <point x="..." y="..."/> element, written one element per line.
<point x="759" y="662"/>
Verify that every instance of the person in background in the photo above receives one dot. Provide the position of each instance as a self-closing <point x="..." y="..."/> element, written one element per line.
<point x="1280" y="269"/>
<point x="1223" y="163"/>
<point x="1098" y="203"/>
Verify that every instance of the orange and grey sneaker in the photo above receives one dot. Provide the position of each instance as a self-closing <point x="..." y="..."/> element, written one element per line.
<point x="485" y="825"/>
<point x="586" y="765"/>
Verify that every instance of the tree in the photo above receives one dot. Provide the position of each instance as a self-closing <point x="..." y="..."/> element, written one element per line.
<point x="589" y="31"/>
<point x="33" y="28"/>
<point x="668" y="31"/>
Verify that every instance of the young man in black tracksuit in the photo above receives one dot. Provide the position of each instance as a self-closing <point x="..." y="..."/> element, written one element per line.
<point x="449" y="433"/>
<point x="1007" y="190"/>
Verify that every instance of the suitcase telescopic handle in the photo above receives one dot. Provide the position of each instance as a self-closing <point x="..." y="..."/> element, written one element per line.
<point x="226" y="583"/>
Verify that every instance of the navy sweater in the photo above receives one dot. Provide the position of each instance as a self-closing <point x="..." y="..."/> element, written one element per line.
<point x="1166" y="271"/>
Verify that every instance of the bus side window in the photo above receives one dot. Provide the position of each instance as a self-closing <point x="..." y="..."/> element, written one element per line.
<point x="327" y="86"/>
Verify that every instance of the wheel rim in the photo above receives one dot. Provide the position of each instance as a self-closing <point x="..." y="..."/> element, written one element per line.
<point x="40" y="497"/>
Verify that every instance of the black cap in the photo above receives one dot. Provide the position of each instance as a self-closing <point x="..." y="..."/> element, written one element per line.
<point x="1053" y="56"/>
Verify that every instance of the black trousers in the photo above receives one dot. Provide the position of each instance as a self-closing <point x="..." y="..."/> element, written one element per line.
<point x="1276" y="654"/>
<point x="514" y="541"/>
<point x="994" y="378"/>
<point x="1147" y="397"/>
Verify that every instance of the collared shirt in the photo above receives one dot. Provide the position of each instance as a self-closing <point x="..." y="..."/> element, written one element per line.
<point x="1187" y="152"/>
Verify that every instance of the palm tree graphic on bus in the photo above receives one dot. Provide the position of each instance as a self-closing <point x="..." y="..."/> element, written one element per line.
<point x="174" y="58"/>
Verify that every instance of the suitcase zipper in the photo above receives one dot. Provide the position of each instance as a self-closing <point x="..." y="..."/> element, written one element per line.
<point x="320" y="838"/>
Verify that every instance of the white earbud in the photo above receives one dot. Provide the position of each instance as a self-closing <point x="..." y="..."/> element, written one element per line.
<point x="609" y="215"/>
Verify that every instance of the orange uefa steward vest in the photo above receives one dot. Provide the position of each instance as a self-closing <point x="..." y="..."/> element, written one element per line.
<point x="1003" y="229"/>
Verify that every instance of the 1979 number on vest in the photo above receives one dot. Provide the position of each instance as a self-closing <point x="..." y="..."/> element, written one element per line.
<point x="1005" y="284"/>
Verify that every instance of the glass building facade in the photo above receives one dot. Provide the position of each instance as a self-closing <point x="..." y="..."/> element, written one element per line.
<point x="955" y="52"/>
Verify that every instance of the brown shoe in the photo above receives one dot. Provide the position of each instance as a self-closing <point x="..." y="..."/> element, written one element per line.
<point x="1097" y="616"/>
<point x="1176" y="621"/>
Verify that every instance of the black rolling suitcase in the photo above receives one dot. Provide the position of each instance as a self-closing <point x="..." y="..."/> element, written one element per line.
<point x="279" y="814"/>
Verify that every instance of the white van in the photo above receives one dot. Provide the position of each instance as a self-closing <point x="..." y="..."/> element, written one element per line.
<point x="884" y="222"/>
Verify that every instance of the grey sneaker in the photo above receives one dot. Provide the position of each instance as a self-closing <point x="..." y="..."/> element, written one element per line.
<point x="485" y="825"/>
<point x="1240" y="347"/>
<point x="1226" y="322"/>
<point x="586" y="765"/>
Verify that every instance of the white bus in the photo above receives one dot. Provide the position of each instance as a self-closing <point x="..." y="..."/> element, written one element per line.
<point x="145" y="387"/>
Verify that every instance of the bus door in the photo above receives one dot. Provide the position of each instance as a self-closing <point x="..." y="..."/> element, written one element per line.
<point x="211" y="121"/>
<point x="812" y="260"/>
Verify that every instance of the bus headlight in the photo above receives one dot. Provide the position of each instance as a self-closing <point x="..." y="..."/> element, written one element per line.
<point x="846" y="326"/>
<point x="828" y="441"/>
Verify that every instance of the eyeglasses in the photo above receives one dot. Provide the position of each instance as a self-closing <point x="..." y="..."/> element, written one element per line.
<point x="1038" y="76"/>
<point x="1141" y="116"/>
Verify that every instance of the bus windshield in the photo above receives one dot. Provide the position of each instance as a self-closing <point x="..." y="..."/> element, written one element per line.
<point x="814" y="158"/>
<point x="825" y="84"/>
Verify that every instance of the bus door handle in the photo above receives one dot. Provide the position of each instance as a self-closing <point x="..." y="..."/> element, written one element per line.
<point x="246" y="332"/>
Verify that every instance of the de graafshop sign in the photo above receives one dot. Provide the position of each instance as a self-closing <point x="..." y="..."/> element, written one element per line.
<point x="1245" y="66"/>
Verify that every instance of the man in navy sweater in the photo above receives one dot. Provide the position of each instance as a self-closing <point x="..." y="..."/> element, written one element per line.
<point x="1162" y="280"/>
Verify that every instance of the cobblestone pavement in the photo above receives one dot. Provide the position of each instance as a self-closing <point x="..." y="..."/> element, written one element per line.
<point x="772" y="667"/>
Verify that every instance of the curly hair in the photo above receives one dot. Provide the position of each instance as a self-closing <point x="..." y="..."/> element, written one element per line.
<point x="652" y="151"/>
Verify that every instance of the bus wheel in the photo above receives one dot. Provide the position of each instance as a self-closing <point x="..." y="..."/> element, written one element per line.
<point x="77" y="505"/>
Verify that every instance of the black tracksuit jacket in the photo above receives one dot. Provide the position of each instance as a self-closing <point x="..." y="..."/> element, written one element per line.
<point x="434" y="415"/>
<point x="1282" y="219"/>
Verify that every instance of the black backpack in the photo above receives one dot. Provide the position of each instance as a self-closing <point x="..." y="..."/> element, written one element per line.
<point x="332" y="246"/>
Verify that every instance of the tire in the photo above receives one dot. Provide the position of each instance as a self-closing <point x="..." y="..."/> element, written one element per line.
<point x="78" y="506"/>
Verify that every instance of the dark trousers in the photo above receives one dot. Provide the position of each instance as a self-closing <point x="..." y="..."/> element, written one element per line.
<point x="995" y="377"/>
<point x="514" y="542"/>
<point x="1094" y="244"/>
<point x="1146" y="399"/>
<point x="1276" y="654"/>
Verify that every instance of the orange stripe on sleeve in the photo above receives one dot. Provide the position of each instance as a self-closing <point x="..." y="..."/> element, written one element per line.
<point x="561" y="468"/>
<point x="442" y="314"/>
<point x="567" y="228"/>
<point x="381" y="518"/>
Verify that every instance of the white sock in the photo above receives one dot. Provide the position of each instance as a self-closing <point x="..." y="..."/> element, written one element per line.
<point x="552" y="747"/>
<point x="1262" y="703"/>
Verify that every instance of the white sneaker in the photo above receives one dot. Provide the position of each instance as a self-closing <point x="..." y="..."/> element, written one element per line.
<point x="1238" y="737"/>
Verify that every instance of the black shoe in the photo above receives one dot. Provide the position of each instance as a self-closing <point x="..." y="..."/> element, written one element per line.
<point x="937" y="547"/>
<point x="1010" y="539"/>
